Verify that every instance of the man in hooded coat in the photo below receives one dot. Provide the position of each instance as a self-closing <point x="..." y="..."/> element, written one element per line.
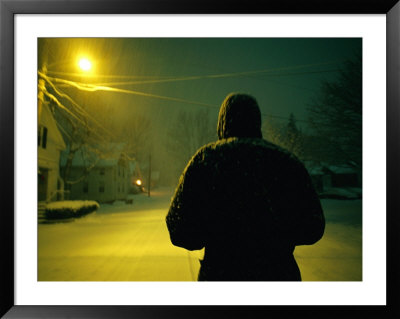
<point x="246" y="200"/>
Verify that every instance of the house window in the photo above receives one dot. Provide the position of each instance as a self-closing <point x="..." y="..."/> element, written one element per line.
<point x="102" y="171"/>
<point x="42" y="136"/>
<point x="101" y="187"/>
<point x="85" y="187"/>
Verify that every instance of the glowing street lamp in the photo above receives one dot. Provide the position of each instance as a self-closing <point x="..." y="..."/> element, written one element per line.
<point x="85" y="64"/>
<point x="138" y="182"/>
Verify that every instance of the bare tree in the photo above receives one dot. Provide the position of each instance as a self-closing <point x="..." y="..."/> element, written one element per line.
<point x="137" y="136"/>
<point x="188" y="133"/>
<point x="83" y="138"/>
<point x="336" y="116"/>
<point x="82" y="131"/>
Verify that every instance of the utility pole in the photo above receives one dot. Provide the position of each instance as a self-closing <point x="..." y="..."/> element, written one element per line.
<point x="149" y="182"/>
<point x="41" y="89"/>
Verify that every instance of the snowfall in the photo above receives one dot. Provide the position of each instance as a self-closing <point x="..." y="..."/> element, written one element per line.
<point x="130" y="242"/>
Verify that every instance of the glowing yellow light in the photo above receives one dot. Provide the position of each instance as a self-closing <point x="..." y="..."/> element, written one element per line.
<point x="138" y="182"/>
<point x="85" y="64"/>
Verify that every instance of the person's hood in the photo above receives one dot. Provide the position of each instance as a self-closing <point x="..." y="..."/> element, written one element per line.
<point x="239" y="116"/>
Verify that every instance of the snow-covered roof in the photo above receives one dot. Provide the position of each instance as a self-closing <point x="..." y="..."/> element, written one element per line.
<point x="315" y="168"/>
<point x="84" y="158"/>
<point x="341" y="169"/>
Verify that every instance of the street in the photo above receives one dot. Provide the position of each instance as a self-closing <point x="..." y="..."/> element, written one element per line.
<point x="130" y="242"/>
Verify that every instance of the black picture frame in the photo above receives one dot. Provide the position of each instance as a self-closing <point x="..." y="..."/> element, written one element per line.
<point x="8" y="10"/>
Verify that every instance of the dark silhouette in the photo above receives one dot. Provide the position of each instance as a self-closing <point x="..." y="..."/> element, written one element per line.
<point x="247" y="201"/>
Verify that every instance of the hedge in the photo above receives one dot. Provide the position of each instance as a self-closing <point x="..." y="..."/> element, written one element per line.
<point x="70" y="209"/>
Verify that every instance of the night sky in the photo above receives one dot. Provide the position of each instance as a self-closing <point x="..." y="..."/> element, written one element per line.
<point x="283" y="74"/>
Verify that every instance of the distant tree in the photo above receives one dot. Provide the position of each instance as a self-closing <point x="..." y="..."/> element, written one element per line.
<point x="288" y="136"/>
<point x="187" y="134"/>
<point x="293" y="137"/>
<point x="136" y="133"/>
<point x="336" y="117"/>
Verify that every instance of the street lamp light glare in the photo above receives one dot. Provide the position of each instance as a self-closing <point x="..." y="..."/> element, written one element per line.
<point x="85" y="64"/>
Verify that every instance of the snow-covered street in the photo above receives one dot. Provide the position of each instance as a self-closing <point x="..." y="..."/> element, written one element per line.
<point x="130" y="242"/>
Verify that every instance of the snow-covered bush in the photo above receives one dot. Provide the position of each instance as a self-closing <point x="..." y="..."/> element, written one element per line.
<point x="70" y="208"/>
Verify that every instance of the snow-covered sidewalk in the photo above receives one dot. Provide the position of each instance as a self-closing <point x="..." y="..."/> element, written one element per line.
<point x="130" y="242"/>
<point x="120" y="242"/>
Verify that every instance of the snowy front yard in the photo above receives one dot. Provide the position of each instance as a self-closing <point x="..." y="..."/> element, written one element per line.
<point x="130" y="242"/>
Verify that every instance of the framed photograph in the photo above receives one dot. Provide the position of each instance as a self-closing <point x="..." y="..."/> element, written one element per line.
<point x="104" y="103"/>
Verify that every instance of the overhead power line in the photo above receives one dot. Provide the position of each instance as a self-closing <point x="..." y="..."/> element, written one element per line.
<point x="216" y="76"/>
<point x="63" y="107"/>
<point x="94" y="88"/>
<point x="77" y="106"/>
<point x="114" y="76"/>
<point x="107" y="76"/>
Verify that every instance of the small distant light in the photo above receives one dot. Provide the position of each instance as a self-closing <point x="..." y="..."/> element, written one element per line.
<point x="138" y="182"/>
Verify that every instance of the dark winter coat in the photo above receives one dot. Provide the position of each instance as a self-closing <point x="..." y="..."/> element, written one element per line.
<point x="249" y="203"/>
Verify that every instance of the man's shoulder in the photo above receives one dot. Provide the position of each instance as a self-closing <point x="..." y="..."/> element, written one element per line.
<point x="233" y="143"/>
<point x="248" y="143"/>
<point x="254" y="153"/>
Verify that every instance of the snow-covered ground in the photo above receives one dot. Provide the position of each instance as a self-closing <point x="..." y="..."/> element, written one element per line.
<point x="338" y="255"/>
<point x="130" y="242"/>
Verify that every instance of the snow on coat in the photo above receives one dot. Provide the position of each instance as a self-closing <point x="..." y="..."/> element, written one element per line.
<point x="248" y="202"/>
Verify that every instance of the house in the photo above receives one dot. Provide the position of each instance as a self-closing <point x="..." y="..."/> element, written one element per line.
<point x="99" y="178"/>
<point x="325" y="176"/>
<point x="50" y="144"/>
<point x="344" y="176"/>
